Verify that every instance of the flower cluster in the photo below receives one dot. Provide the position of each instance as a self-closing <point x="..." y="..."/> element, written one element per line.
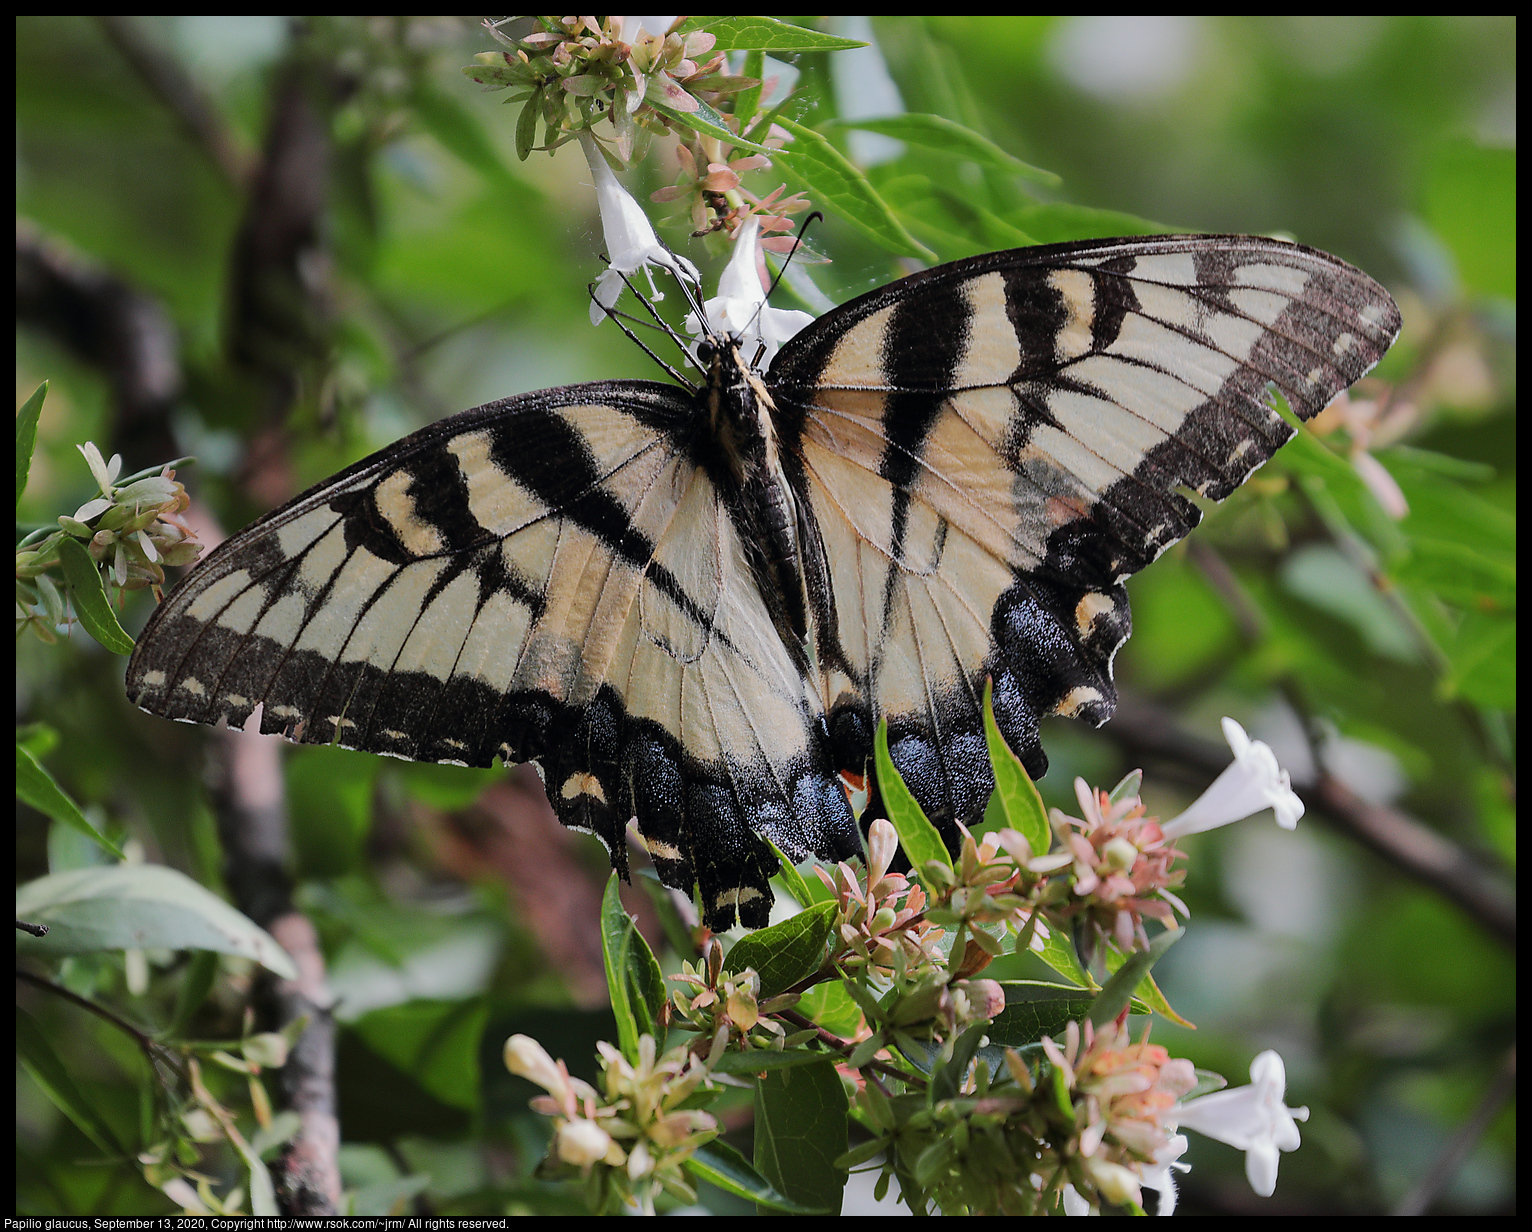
<point x="639" y="72"/>
<point x="132" y="529"/>
<point x="881" y="923"/>
<point x="716" y="197"/>
<point x="726" y="1006"/>
<point x="631" y="1139"/>
<point x="1120" y="865"/>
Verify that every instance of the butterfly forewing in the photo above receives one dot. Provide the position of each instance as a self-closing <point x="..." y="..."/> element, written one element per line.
<point x="990" y="448"/>
<point x="550" y="578"/>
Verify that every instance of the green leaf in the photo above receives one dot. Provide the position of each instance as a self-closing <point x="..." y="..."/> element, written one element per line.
<point x="1483" y="660"/>
<point x="787" y="952"/>
<point x="806" y="891"/>
<point x="947" y="1080"/>
<point x="435" y="1042"/>
<point x="1034" y="1009"/>
<point x="1056" y="223"/>
<point x="1118" y="991"/>
<point x="26" y="436"/>
<point x="800" y="1128"/>
<point x="139" y="907"/>
<point x="917" y="835"/>
<point x="263" y="1194"/>
<point x="841" y="187"/>
<point x="939" y="133"/>
<point x="748" y="101"/>
<point x="831" y="1007"/>
<point x="330" y="795"/>
<point x="703" y="120"/>
<point x="526" y="126"/>
<point x="764" y="34"/>
<point x="49" y="1072"/>
<point x="89" y="594"/>
<point x="766" y="1060"/>
<point x="1059" y="954"/>
<point x="1020" y="803"/>
<point x="388" y="1197"/>
<point x="720" y="1164"/>
<point x="633" y="976"/>
<point x="35" y="786"/>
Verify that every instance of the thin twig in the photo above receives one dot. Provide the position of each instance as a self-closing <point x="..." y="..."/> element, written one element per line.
<point x="154" y="1052"/>
<point x="181" y="95"/>
<point x="1418" y="1201"/>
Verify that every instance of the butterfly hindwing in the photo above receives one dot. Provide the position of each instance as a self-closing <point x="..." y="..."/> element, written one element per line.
<point x="549" y="578"/>
<point x="990" y="448"/>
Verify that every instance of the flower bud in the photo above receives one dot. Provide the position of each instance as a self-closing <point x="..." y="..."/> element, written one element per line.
<point x="582" y="1142"/>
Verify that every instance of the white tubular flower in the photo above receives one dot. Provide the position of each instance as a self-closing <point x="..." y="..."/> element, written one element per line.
<point x="631" y="243"/>
<point x="1251" y="783"/>
<point x="1252" y="1119"/>
<point x="739" y="310"/>
<point x="1160" y="1175"/>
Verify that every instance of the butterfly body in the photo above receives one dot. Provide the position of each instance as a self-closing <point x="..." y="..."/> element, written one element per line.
<point x="692" y="608"/>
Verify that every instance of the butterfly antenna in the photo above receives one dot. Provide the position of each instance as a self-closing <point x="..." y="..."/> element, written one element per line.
<point x="635" y="339"/>
<point x="816" y="216"/>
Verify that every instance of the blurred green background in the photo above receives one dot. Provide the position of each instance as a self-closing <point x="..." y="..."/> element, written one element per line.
<point x="439" y="273"/>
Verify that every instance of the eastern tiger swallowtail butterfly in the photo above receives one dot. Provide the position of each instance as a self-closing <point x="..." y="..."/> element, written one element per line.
<point x="691" y="608"/>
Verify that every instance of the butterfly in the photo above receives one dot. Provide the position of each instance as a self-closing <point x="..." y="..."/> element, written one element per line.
<point x="691" y="607"/>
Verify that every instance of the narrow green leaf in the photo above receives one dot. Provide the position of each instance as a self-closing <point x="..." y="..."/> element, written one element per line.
<point x="765" y="34"/>
<point x="1019" y="801"/>
<point x="917" y="835"/>
<point x="89" y="594"/>
<point x="703" y="120"/>
<point x="615" y="926"/>
<point x="140" y="907"/>
<point x="526" y="126"/>
<point x="263" y="1194"/>
<point x="633" y="976"/>
<point x="806" y="891"/>
<point x="840" y="186"/>
<point x="787" y="952"/>
<point x="766" y="1060"/>
<point x="1034" y="1009"/>
<point x="939" y="133"/>
<point x="35" y="786"/>
<point x="947" y="1081"/>
<point x="800" y="1128"/>
<point x="720" y="1164"/>
<point x="1118" y="991"/>
<point x="50" y="1073"/>
<point x="26" y="436"/>
<point x="748" y="101"/>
